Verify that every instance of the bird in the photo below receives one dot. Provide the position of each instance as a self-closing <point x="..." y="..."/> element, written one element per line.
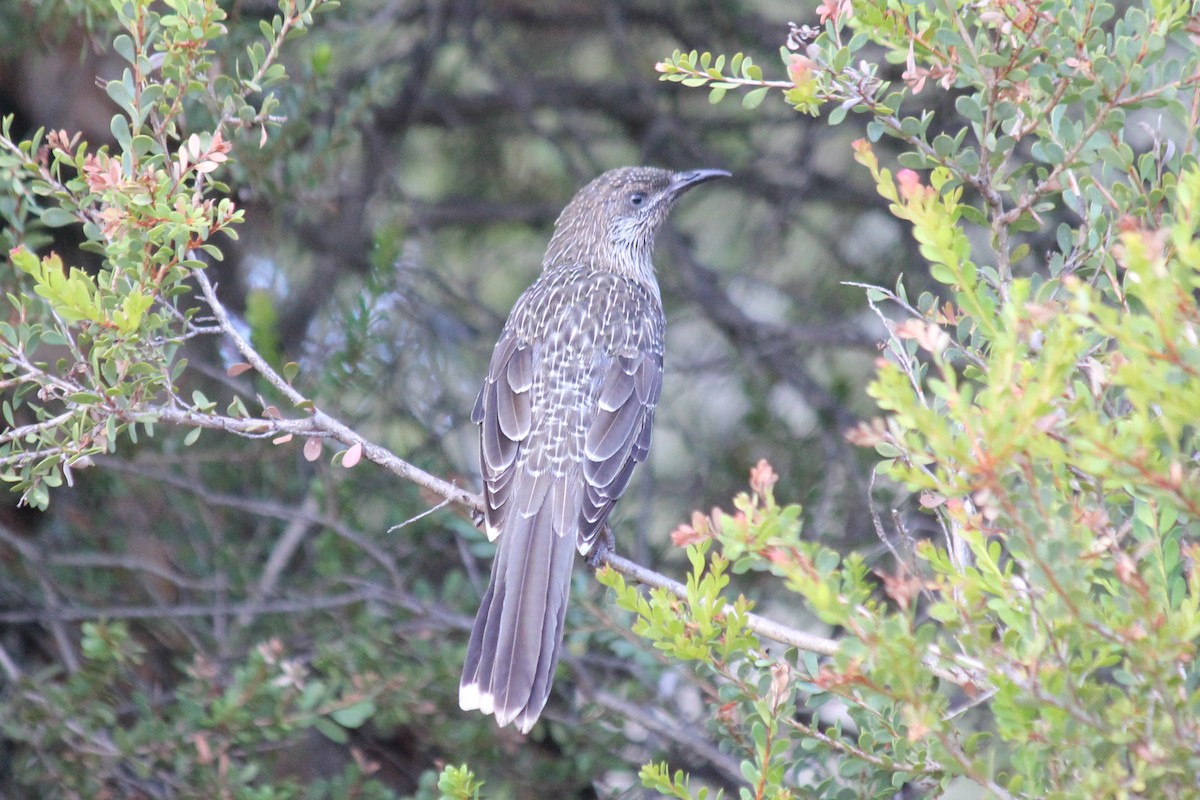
<point x="565" y="414"/>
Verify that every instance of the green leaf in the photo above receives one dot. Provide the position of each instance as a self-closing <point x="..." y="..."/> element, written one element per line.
<point x="121" y="92"/>
<point x="331" y="730"/>
<point x="968" y="106"/>
<point x="121" y="132"/>
<point x="56" y="217"/>
<point x="25" y="261"/>
<point x="123" y="46"/>
<point x="753" y="99"/>
<point x="355" y="715"/>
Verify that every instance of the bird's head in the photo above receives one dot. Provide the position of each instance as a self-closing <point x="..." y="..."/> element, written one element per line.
<point x="611" y="223"/>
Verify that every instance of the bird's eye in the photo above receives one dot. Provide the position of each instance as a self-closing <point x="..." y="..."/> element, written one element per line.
<point x="637" y="198"/>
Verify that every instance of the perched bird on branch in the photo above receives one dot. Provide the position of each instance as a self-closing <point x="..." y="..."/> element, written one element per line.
<point x="565" y="415"/>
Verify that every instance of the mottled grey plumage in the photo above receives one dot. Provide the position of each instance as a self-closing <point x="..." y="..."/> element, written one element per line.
<point x="565" y="415"/>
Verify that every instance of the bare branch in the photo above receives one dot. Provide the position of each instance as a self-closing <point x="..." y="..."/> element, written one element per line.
<point x="132" y="564"/>
<point x="82" y="613"/>
<point x="674" y="731"/>
<point x="285" y="547"/>
<point x="11" y="670"/>
<point x="320" y="423"/>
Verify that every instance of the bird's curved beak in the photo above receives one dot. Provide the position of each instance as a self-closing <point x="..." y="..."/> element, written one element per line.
<point x="693" y="177"/>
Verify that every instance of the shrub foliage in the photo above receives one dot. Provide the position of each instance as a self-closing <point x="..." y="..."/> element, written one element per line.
<point x="1041" y="408"/>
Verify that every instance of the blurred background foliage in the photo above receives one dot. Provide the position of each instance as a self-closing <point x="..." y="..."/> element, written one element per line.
<point x="403" y="202"/>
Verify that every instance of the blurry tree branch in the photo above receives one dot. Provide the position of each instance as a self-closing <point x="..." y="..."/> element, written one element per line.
<point x="303" y="514"/>
<point x="318" y="423"/>
<point x="672" y="730"/>
<point x="52" y="616"/>
<point x="33" y="555"/>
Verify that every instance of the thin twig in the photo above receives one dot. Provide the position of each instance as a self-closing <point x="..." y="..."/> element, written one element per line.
<point x="132" y="564"/>
<point x="285" y="547"/>
<point x="82" y="613"/>
<point x="13" y="434"/>
<point x="11" y="670"/>
<point x="264" y="508"/>
<point x="671" y="729"/>
<point x="321" y="423"/>
<point x="422" y="515"/>
<point x="37" y="563"/>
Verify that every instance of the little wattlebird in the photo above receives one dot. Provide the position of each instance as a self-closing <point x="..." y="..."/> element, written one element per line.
<point x="565" y="415"/>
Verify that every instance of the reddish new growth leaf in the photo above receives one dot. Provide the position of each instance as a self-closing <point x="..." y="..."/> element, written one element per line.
<point x="204" y="752"/>
<point x="868" y="433"/>
<point x="911" y="188"/>
<point x="238" y="369"/>
<point x="685" y="535"/>
<point x="800" y="69"/>
<point x="929" y="337"/>
<point x="763" y="477"/>
<point x="365" y="765"/>
<point x="902" y="588"/>
<point x="916" y="728"/>
<point x="727" y="713"/>
<point x="931" y="500"/>
<point x="101" y="172"/>
<point x="914" y="76"/>
<point x="836" y="10"/>
<point x="701" y="528"/>
<point x="830" y="678"/>
<point x="1139" y="244"/>
<point x="781" y="676"/>
<point x="61" y="140"/>
<point x="1008" y="16"/>
<point x="353" y="455"/>
<point x="207" y="160"/>
<point x="1127" y="573"/>
<point x="784" y="558"/>
<point x="312" y="449"/>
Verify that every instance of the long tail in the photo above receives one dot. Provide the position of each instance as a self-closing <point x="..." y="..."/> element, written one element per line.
<point x="518" y="631"/>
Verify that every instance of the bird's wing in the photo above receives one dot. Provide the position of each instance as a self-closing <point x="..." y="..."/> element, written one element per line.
<point x="564" y="417"/>
<point x="528" y="409"/>
<point x="504" y="413"/>
<point x="618" y="437"/>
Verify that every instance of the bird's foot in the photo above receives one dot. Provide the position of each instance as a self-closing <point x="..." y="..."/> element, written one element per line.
<point x="605" y="543"/>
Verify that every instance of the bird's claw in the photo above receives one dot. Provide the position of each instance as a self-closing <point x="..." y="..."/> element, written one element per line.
<point x="605" y="543"/>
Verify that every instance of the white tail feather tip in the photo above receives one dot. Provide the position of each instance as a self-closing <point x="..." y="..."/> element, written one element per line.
<point x="470" y="698"/>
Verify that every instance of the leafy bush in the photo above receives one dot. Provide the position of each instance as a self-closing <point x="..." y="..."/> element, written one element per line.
<point x="1041" y="408"/>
